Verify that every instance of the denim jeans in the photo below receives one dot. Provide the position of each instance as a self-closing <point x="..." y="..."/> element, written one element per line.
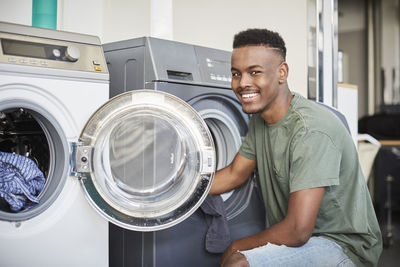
<point x="317" y="252"/>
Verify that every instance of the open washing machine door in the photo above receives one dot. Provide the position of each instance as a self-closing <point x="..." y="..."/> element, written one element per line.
<point x="146" y="160"/>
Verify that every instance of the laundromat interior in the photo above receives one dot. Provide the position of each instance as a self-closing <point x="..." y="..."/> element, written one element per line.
<point x="116" y="114"/>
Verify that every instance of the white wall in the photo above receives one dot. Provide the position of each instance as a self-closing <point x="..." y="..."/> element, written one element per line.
<point x="353" y="43"/>
<point x="83" y="16"/>
<point x="125" y="19"/>
<point x="213" y="23"/>
<point x="16" y="11"/>
<point x="347" y="105"/>
<point x="208" y="23"/>
<point x="352" y="16"/>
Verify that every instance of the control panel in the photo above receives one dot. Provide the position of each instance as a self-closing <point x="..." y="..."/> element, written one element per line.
<point x="42" y="51"/>
<point x="219" y="70"/>
<point x="215" y="65"/>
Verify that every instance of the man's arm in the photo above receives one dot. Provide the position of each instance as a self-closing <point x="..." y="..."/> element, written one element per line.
<point x="233" y="175"/>
<point x="293" y="231"/>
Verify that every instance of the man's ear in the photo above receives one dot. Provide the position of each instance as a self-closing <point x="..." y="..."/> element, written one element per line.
<point x="283" y="72"/>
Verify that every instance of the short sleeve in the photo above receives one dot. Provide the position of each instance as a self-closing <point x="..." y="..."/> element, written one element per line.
<point x="315" y="162"/>
<point x="248" y="147"/>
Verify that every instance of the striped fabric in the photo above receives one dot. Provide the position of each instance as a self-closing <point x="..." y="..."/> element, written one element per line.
<point x="21" y="181"/>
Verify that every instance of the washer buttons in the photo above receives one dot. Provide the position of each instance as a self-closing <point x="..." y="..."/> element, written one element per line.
<point x="56" y="52"/>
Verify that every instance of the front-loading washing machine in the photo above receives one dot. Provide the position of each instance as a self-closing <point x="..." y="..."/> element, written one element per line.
<point x="143" y="160"/>
<point x="201" y="77"/>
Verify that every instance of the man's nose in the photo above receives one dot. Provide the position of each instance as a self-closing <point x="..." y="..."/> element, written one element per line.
<point x="245" y="81"/>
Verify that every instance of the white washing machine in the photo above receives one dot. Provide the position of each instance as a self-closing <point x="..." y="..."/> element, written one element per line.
<point x="45" y="100"/>
<point x="143" y="160"/>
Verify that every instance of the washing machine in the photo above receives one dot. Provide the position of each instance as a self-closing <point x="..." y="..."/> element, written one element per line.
<point x="201" y="77"/>
<point x="142" y="160"/>
<point x="50" y="84"/>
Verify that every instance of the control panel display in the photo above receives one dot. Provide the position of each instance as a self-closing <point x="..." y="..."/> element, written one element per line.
<point x="35" y="50"/>
<point x="24" y="46"/>
<point x="16" y="48"/>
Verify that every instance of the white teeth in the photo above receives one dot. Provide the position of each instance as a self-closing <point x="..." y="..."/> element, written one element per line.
<point x="249" y="95"/>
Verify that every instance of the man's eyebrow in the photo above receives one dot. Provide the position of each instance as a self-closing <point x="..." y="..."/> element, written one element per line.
<point x="248" y="68"/>
<point x="255" y="66"/>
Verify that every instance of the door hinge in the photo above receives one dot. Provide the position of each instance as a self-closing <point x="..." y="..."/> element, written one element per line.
<point x="81" y="159"/>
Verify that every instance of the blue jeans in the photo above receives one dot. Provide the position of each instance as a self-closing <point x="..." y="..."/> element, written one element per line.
<point x="318" y="252"/>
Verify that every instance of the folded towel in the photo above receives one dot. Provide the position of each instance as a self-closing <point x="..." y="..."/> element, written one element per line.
<point x="21" y="181"/>
<point x="218" y="236"/>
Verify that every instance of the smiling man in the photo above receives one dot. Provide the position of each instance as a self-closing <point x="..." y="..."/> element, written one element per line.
<point x="314" y="192"/>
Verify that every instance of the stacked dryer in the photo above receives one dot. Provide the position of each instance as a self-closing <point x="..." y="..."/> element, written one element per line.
<point x="201" y="77"/>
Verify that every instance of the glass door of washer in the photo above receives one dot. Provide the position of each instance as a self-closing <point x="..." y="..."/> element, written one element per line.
<point x="146" y="160"/>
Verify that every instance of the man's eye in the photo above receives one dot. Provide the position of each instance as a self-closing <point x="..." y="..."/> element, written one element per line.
<point x="235" y="74"/>
<point x="254" y="72"/>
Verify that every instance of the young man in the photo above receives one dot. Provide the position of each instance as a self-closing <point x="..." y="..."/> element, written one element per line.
<point x="315" y="195"/>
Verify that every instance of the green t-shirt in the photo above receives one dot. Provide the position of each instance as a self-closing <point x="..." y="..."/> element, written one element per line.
<point x="310" y="147"/>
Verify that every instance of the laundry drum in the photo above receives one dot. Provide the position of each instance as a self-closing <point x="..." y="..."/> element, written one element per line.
<point x="30" y="131"/>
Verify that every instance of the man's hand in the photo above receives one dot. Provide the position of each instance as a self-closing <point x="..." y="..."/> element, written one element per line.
<point x="233" y="175"/>
<point x="293" y="231"/>
<point x="240" y="244"/>
<point x="228" y="252"/>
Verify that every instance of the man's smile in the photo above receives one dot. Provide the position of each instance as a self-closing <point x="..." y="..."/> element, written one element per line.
<point x="247" y="97"/>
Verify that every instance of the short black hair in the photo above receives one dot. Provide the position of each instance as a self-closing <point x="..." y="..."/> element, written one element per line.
<point x="260" y="37"/>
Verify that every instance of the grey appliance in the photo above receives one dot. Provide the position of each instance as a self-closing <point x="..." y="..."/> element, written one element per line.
<point x="200" y="76"/>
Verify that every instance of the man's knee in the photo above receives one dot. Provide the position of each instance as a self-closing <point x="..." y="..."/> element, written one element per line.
<point x="236" y="260"/>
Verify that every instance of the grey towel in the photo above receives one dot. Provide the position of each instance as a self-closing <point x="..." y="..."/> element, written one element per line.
<point x="20" y="181"/>
<point x="218" y="236"/>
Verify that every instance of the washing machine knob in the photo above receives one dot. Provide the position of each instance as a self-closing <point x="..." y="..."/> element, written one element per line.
<point x="72" y="53"/>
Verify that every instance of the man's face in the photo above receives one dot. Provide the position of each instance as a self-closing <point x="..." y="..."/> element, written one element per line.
<point x="256" y="73"/>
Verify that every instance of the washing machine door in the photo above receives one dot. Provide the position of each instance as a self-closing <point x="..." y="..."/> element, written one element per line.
<point x="146" y="160"/>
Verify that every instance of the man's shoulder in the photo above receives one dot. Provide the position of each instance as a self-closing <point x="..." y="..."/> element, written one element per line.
<point x="313" y="115"/>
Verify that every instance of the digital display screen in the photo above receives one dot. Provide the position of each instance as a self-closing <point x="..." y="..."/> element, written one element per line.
<point x="26" y="49"/>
